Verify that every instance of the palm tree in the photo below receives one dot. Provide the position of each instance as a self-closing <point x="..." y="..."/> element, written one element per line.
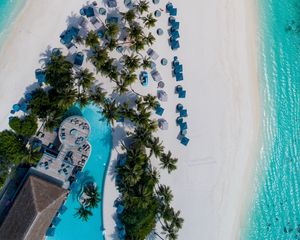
<point x="83" y="213"/>
<point x="135" y="31"/>
<point x="142" y="6"/>
<point x="32" y="156"/>
<point x="132" y="62"/>
<point x="150" y="102"/>
<point x="110" y="111"/>
<point x="85" y="79"/>
<point x="177" y="221"/>
<point x="149" y="39"/>
<point x="82" y="99"/>
<point x="66" y="99"/>
<point x="138" y="45"/>
<point x="93" y="196"/>
<point x="128" y="16"/>
<point x="98" y="96"/>
<point x="149" y="21"/>
<point x="156" y="147"/>
<point x="99" y="57"/>
<point x="112" y="44"/>
<point x="112" y="30"/>
<point x="92" y="39"/>
<point x="165" y="193"/>
<point x="146" y="63"/>
<point x="167" y="162"/>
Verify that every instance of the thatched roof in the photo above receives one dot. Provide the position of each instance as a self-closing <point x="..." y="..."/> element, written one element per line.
<point x="33" y="210"/>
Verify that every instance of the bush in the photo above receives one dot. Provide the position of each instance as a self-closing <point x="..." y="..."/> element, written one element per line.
<point x="12" y="150"/>
<point x="25" y="127"/>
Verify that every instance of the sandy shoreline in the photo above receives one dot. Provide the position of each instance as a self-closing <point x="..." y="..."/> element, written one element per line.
<point x="212" y="185"/>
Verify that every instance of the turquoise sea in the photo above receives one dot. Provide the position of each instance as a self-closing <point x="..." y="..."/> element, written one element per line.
<point x="275" y="211"/>
<point x="9" y="10"/>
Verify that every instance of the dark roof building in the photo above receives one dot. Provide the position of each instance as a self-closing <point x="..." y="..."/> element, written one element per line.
<point x="33" y="210"/>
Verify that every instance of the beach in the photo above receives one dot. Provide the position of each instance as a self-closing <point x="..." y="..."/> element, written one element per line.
<point x="213" y="182"/>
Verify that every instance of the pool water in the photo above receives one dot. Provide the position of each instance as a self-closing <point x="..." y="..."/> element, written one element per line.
<point x="70" y="227"/>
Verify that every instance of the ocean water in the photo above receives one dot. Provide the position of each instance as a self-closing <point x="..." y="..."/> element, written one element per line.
<point x="275" y="211"/>
<point x="9" y="10"/>
<point x="71" y="227"/>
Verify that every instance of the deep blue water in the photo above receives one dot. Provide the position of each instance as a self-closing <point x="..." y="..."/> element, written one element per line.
<point x="275" y="212"/>
<point x="70" y="227"/>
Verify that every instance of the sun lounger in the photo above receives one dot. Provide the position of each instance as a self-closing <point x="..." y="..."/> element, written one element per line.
<point x="97" y="25"/>
<point x="178" y="68"/>
<point x="89" y="12"/>
<point x="182" y="94"/>
<point x="159" y="111"/>
<point x="152" y="54"/>
<point x="173" y="12"/>
<point x="111" y="3"/>
<point x="178" y="88"/>
<point x="156" y="76"/>
<point x="72" y="49"/>
<point x="183" y="113"/>
<point x="175" y="35"/>
<point x="67" y="36"/>
<point x="169" y="7"/>
<point x="184" y="141"/>
<point x="40" y="76"/>
<point x="23" y="107"/>
<point x="171" y="20"/>
<point x="183" y="126"/>
<point x="179" y="77"/>
<point x="128" y="3"/>
<point x="174" y="44"/>
<point x="174" y="25"/>
<point x="79" y="59"/>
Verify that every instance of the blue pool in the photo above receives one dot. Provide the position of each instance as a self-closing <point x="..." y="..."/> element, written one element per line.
<point x="70" y="227"/>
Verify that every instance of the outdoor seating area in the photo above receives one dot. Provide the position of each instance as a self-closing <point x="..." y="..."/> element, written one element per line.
<point x="64" y="157"/>
<point x="174" y="27"/>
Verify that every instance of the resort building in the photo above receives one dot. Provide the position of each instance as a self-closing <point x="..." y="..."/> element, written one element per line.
<point x="33" y="209"/>
<point x="39" y="199"/>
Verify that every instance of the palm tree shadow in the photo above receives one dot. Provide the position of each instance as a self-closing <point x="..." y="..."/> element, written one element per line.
<point x="119" y="133"/>
<point x="112" y="169"/>
<point x="73" y="20"/>
<point x="45" y="56"/>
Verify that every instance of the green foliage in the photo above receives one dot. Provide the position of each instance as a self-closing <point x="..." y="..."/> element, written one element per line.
<point x="83" y="213"/>
<point x="59" y="73"/>
<point x="92" y="40"/>
<point x="112" y="30"/>
<point x="26" y="127"/>
<point x="149" y="20"/>
<point x="12" y="149"/>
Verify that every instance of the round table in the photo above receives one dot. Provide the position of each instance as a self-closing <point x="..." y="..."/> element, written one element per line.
<point x="155" y="1"/>
<point x="164" y="61"/>
<point x="102" y="11"/>
<point x="157" y="13"/>
<point x="161" y="84"/>
<point x="159" y="32"/>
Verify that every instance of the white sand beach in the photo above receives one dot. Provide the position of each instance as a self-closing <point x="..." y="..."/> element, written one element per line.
<point x="218" y="38"/>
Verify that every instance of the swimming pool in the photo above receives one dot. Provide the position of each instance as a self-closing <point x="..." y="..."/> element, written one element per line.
<point x="100" y="138"/>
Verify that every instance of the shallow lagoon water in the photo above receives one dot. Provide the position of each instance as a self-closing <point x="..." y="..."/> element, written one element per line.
<point x="275" y="211"/>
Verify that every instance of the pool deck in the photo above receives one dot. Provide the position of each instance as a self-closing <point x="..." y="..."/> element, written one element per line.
<point x="67" y="152"/>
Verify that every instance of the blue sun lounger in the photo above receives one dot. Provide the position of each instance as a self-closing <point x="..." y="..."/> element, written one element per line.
<point x="182" y="94"/>
<point x="179" y="77"/>
<point x="174" y="44"/>
<point x="159" y="111"/>
<point x="79" y="59"/>
<point x="178" y="68"/>
<point x="67" y="36"/>
<point x="183" y="113"/>
<point x="183" y="126"/>
<point x="111" y="3"/>
<point x="174" y="25"/>
<point x="89" y="12"/>
<point x="40" y="76"/>
<point x="184" y="141"/>
<point x="175" y="34"/>
<point x="169" y="7"/>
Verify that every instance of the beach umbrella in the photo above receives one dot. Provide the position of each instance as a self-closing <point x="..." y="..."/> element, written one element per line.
<point x="162" y="96"/>
<point x="163" y="124"/>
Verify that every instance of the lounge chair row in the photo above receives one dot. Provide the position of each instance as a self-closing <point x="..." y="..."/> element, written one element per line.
<point x="177" y="69"/>
<point x="174" y="27"/>
<point x="182" y="124"/>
